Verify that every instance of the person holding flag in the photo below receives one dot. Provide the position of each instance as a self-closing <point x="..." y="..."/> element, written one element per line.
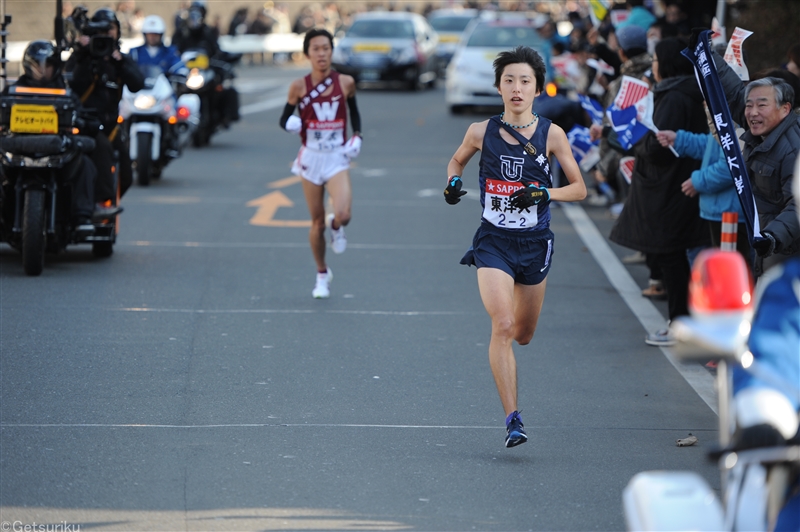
<point x="659" y="219"/>
<point x="771" y="146"/>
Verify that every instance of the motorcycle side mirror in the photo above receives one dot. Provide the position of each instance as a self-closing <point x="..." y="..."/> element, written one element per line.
<point x="721" y="306"/>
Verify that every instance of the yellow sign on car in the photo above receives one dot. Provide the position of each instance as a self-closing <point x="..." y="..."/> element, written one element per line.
<point x="448" y="38"/>
<point x="372" y="47"/>
<point x="31" y="118"/>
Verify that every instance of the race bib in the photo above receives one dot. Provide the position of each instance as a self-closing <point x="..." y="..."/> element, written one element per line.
<point x="498" y="212"/>
<point x="325" y="136"/>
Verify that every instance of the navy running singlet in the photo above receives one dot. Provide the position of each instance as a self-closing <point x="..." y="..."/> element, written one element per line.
<point x="502" y="169"/>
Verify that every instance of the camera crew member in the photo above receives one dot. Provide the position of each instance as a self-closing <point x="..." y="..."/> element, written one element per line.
<point x="99" y="72"/>
<point x="195" y="33"/>
<point x="42" y="65"/>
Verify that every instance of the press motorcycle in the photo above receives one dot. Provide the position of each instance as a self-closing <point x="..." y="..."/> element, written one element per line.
<point x="208" y="77"/>
<point x="40" y="136"/>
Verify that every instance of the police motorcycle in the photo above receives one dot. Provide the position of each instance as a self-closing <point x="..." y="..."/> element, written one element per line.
<point x="159" y="125"/>
<point x="759" y="465"/>
<point x="207" y="78"/>
<point x="40" y="137"/>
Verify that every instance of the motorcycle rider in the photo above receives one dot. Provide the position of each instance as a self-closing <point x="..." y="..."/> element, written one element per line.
<point x="155" y="53"/>
<point x="98" y="77"/>
<point x="195" y="33"/>
<point x="767" y="415"/>
<point x="42" y="67"/>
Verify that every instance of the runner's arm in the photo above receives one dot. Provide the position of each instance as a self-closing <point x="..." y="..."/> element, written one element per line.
<point x="355" y="117"/>
<point x="288" y="110"/>
<point x="558" y="145"/>
<point x="473" y="140"/>
<point x="348" y="85"/>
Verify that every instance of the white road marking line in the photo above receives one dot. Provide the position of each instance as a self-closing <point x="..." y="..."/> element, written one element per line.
<point x="648" y="315"/>
<point x="350" y="245"/>
<point x="329" y="425"/>
<point x="294" y="311"/>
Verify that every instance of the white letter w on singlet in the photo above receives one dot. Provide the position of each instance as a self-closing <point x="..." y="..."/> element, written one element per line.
<point x="325" y="111"/>
<point x="511" y="167"/>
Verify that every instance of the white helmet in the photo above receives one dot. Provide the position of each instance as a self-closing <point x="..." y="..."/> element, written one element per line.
<point x="154" y="24"/>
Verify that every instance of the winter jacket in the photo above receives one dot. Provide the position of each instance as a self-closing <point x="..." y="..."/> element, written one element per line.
<point x="770" y="165"/>
<point x="99" y="81"/>
<point x="713" y="180"/>
<point x="658" y="217"/>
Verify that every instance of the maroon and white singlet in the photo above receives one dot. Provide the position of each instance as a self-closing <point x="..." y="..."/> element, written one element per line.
<point x="324" y="117"/>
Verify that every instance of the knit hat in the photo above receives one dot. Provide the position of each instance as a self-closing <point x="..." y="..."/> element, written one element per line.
<point x="632" y="36"/>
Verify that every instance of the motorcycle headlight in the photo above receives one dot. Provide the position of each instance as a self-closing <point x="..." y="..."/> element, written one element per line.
<point x="195" y="80"/>
<point x="144" y="101"/>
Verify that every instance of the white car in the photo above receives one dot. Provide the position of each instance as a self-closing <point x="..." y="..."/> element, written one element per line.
<point x="470" y="75"/>
<point x="450" y="24"/>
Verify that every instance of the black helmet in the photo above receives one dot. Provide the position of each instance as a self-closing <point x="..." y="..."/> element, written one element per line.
<point x="196" y="15"/>
<point x="37" y="56"/>
<point x="105" y="15"/>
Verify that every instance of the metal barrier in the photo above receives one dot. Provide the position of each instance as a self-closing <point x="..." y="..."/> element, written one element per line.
<point x="273" y="43"/>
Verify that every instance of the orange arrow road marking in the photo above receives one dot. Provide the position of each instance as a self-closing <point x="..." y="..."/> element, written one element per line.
<point x="268" y="205"/>
<point x="285" y="182"/>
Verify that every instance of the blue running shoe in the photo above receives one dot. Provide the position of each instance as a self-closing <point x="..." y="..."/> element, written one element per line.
<point x="515" y="430"/>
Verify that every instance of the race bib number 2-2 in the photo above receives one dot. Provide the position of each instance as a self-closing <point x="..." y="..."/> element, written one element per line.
<point x="500" y="213"/>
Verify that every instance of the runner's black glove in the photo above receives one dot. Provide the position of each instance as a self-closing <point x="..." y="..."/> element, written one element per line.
<point x="765" y="246"/>
<point x="453" y="192"/>
<point x="528" y="196"/>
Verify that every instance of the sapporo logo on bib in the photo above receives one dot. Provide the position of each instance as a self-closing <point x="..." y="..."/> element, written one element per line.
<point x="500" y="213"/>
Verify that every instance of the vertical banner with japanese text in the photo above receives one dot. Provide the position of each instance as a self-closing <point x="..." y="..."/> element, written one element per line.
<point x="709" y="82"/>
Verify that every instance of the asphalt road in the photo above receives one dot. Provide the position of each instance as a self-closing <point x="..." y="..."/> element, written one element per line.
<point x="190" y="381"/>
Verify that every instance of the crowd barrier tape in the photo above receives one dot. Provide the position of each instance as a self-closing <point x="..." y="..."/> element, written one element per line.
<point x="273" y="43"/>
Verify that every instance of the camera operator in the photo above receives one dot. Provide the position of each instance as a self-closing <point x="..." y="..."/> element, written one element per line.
<point x="195" y="33"/>
<point x="42" y="65"/>
<point x="98" y="73"/>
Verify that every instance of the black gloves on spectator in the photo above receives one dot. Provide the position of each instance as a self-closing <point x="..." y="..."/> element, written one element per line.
<point x="766" y="245"/>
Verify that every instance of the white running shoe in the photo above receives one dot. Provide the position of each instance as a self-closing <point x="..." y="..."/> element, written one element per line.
<point x="322" y="288"/>
<point x="338" y="240"/>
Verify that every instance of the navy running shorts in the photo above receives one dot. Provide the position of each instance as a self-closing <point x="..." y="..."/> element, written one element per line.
<point x="524" y="255"/>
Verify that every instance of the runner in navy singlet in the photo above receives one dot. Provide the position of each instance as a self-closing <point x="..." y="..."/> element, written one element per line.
<point x="324" y="157"/>
<point x="513" y="247"/>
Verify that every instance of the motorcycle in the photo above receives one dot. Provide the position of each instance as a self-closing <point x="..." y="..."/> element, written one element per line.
<point x="758" y="480"/>
<point x="159" y="126"/>
<point x="208" y="78"/>
<point x="39" y="138"/>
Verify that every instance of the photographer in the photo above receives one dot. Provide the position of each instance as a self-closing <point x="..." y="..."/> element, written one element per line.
<point x="195" y="33"/>
<point x="98" y="72"/>
<point x="42" y="65"/>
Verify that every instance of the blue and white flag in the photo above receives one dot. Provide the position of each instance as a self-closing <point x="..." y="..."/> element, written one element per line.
<point x="586" y="152"/>
<point x="629" y="129"/>
<point x="592" y="107"/>
<point x="709" y="82"/>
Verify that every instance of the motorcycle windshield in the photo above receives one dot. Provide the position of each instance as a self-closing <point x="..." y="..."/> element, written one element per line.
<point x="151" y="73"/>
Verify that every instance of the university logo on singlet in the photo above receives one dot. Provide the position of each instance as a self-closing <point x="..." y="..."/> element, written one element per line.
<point x="502" y="169"/>
<point x="324" y="117"/>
